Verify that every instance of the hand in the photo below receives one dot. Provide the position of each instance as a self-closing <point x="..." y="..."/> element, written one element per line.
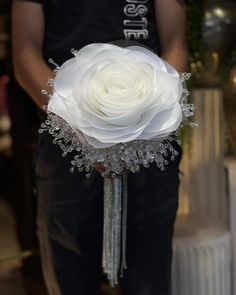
<point x="101" y="169"/>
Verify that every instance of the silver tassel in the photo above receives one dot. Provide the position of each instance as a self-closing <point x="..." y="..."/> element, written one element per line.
<point x="124" y="222"/>
<point x="115" y="189"/>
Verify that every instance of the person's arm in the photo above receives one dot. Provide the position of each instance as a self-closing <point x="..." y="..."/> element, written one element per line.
<point x="31" y="71"/>
<point x="171" y="19"/>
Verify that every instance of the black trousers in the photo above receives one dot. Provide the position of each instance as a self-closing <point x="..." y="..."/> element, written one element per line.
<point x="70" y="221"/>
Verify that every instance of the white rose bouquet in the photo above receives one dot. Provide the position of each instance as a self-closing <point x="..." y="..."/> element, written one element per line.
<point x="119" y="107"/>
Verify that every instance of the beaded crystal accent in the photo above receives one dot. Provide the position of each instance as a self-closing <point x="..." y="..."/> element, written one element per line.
<point x="120" y="157"/>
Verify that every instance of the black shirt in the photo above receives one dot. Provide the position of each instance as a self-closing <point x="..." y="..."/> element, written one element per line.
<point x="76" y="23"/>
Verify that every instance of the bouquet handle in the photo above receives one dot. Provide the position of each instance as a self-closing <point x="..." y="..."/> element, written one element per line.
<point x="115" y="224"/>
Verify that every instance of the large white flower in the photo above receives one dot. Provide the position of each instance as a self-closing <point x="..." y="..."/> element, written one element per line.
<point x="113" y="94"/>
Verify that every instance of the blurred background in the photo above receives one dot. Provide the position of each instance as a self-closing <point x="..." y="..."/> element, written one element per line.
<point x="204" y="251"/>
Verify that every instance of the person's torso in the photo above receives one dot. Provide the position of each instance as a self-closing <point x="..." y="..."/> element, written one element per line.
<point x="76" y="23"/>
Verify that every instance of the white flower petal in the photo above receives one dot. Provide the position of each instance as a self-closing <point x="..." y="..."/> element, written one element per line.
<point x="64" y="82"/>
<point x="148" y="56"/>
<point x="65" y="108"/>
<point x="57" y="106"/>
<point x="171" y="70"/>
<point x="91" y="50"/>
<point x="114" y="94"/>
<point x="170" y="89"/>
<point x="164" y="122"/>
<point x="117" y="135"/>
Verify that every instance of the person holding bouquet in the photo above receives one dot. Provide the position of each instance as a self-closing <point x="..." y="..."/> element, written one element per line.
<point x="70" y="206"/>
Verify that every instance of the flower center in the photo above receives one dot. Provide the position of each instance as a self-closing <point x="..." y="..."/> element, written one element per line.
<point x="117" y="87"/>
